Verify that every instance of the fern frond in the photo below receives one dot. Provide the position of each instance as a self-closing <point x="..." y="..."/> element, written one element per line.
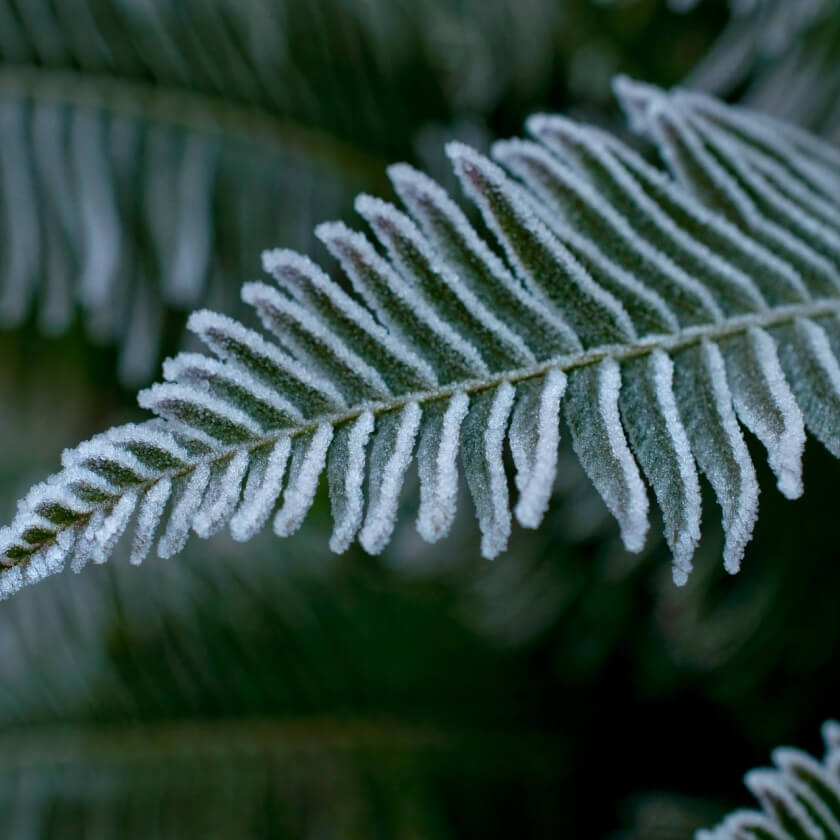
<point x="800" y="797"/>
<point x="127" y="199"/>
<point x="657" y="315"/>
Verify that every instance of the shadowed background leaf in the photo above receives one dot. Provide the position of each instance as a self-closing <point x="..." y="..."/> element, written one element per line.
<point x="150" y="151"/>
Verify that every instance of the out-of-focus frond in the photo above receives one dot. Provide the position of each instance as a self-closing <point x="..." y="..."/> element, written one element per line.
<point x="150" y="151"/>
<point x="781" y="57"/>
<point x="128" y="199"/>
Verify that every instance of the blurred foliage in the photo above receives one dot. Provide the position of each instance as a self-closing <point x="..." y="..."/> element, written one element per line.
<point x="782" y="58"/>
<point x="567" y="689"/>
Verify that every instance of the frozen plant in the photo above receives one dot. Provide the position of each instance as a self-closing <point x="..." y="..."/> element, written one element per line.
<point x="656" y="312"/>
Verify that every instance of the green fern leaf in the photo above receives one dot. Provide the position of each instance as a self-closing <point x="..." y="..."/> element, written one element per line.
<point x="657" y="314"/>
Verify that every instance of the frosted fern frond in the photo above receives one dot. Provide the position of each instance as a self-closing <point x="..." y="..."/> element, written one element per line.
<point x="800" y="797"/>
<point x="655" y="316"/>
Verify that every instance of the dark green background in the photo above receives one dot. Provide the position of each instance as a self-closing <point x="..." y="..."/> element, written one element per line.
<point x="566" y="689"/>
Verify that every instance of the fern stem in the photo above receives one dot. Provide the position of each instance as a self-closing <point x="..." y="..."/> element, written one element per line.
<point x="619" y="352"/>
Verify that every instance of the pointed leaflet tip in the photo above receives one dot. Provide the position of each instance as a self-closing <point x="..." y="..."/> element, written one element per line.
<point x="326" y="231"/>
<point x="277" y="259"/>
<point x="437" y="465"/>
<point x="366" y="204"/>
<point x="538" y="125"/>
<point x="598" y="440"/>
<point x="391" y="453"/>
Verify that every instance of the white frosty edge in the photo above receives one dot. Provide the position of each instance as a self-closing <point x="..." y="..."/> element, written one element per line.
<point x="784" y="451"/>
<point x="203" y="322"/>
<point x="262" y="489"/>
<point x="100" y="448"/>
<point x="513" y="152"/>
<point x="145" y="434"/>
<point x="488" y="484"/>
<point x="633" y="518"/>
<point x="155" y="397"/>
<point x="148" y="516"/>
<point x="183" y="510"/>
<point x="280" y="262"/>
<point x="468" y="163"/>
<point x="438" y="471"/>
<point x="353" y="249"/>
<point x="86" y="547"/>
<point x="271" y="306"/>
<point x="382" y="511"/>
<point x="217" y="508"/>
<point x="559" y="134"/>
<point x="789" y="761"/>
<point x="690" y="502"/>
<point x="392" y="226"/>
<point x="114" y="526"/>
<point x="300" y="492"/>
<point x="768" y="786"/>
<point x="536" y="460"/>
<point x="348" y="523"/>
<point x="740" y="529"/>
<point x="411" y="183"/>
<point x="175" y="368"/>
<point x="417" y="189"/>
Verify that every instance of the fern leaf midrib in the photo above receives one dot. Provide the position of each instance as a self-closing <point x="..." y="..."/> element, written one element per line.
<point x="566" y="362"/>
<point x="620" y="352"/>
<point x="186" y="109"/>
